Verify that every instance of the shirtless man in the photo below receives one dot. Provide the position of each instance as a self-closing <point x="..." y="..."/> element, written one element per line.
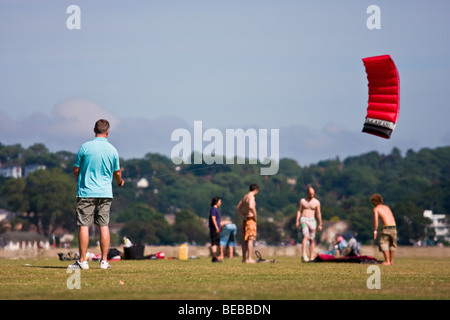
<point x="247" y="208"/>
<point x="388" y="236"/>
<point x="307" y="209"/>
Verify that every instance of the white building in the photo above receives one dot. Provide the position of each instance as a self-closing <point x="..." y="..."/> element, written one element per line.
<point x="11" y="172"/>
<point x="438" y="224"/>
<point x="30" y="168"/>
<point x="142" y="183"/>
<point x="23" y="240"/>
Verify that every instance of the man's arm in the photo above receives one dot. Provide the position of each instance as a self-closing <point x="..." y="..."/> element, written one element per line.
<point x="76" y="171"/>
<point x="319" y="217"/>
<point x="214" y="220"/>
<point x="239" y="208"/>
<point x="299" y="213"/>
<point x="375" y="222"/>
<point x="118" y="177"/>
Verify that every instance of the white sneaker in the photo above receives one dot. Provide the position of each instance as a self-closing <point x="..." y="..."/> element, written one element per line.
<point x="305" y="259"/>
<point x="105" y="265"/>
<point x="79" y="265"/>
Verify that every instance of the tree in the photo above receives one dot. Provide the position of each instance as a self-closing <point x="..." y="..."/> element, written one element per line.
<point x="361" y="223"/>
<point x="143" y="224"/>
<point x="51" y="195"/>
<point x="14" y="194"/>
<point x="418" y="181"/>
<point x="268" y="231"/>
<point x="12" y="154"/>
<point x="410" y="222"/>
<point x="39" y="154"/>
<point x="188" y="228"/>
<point x="140" y="212"/>
<point x="290" y="229"/>
<point x="150" y="232"/>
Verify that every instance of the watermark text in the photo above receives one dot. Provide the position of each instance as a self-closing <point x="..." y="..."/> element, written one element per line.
<point x="374" y="20"/>
<point x="234" y="143"/>
<point x="74" y="280"/>
<point x="73" y="22"/>
<point x="374" y="280"/>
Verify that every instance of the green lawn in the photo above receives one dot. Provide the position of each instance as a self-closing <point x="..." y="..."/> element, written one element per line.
<point x="288" y="279"/>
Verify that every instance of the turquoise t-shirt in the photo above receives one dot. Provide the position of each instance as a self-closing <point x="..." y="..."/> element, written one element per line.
<point x="97" y="160"/>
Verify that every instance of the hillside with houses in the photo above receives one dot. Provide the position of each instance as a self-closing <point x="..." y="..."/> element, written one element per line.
<point x="163" y="203"/>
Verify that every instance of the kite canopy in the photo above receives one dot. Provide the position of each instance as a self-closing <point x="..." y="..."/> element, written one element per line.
<point x="384" y="96"/>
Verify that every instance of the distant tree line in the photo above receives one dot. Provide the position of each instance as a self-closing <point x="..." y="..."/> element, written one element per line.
<point x="409" y="184"/>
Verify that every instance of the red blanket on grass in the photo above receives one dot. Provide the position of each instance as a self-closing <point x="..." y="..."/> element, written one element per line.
<point x="356" y="259"/>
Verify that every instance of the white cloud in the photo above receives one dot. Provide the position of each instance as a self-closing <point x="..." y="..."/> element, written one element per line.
<point x="70" y="123"/>
<point x="76" y="117"/>
<point x="135" y="137"/>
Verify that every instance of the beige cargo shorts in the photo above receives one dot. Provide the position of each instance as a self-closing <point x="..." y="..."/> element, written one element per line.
<point x="93" y="210"/>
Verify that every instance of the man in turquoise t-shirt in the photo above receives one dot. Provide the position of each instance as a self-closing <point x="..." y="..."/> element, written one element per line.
<point x="96" y="164"/>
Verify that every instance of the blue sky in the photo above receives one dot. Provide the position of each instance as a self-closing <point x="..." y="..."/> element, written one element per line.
<point x="151" y="67"/>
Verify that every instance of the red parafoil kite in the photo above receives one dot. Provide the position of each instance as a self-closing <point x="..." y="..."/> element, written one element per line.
<point x="384" y="96"/>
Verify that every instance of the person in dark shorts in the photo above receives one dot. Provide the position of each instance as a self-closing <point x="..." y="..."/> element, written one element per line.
<point x="214" y="227"/>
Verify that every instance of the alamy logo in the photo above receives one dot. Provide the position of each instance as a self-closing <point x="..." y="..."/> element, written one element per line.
<point x="73" y="281"/>
<point x="374" y="20"/>
<point x="374" y="280"/>
<point x="235" y="142"/>
<point x="73" y="22"/>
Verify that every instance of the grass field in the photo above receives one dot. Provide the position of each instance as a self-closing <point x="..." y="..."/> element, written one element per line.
<point x="199" y="279"/>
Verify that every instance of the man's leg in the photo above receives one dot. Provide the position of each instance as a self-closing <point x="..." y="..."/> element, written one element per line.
<point x="104" y="241"/>
<point x="83" y="241"/>
<point x="304" y="245"/>
<point x="312" y="242"/>
<point x="220" y="256"/>
<point x="384" y="244"/>
<point x="250" y="251"/>
<point x="103" y="207"/>
<point x="391" y="261"/>
<point x="244" y="250"/>
<point x="311" y="249"/>
<point x="244" y="242"/>
<point x="230" y="252"/>
<point x="85" y="210"/>
<point x="387" y="261"/>
<point x="392" y="245"/>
